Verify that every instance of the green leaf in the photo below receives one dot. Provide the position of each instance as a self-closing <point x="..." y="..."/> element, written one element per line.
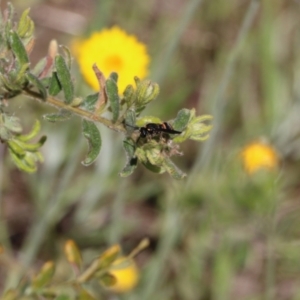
<point x="18" y="49"/>
<point x="130" y="121"/>
<point x="64" y="77"/>
<point x="33" y="147"/>
<point x="129" y="95"/>
<point x="12" y="123"/>
<point x="172" y="169"/>
<point x="63" y="297"/>
<point x="39" y="66"/>
<point x="16" y="147"/>
<point x="89" y="102"/>
<point x="19" y="76"/>
<point x="54" y="87"/>
<point x="44" y="276"/>
<point x="37" y="83"/>
<point x="21" y="163"/>
<point x="92" y="134"/>
<point x="129" y="147"/>
<point x="34" y="131"/>
<point x="114" y="76"/>
<point x="61" y="116"/>
<point x="146" y="92"/>
<point x="5" y="134"/>
<point x="147" y="119"/>
<point x="25" y="25"/>
<point x="108" y="280"/>
<point x="111" y="89"/>
<point x="155" y="156"/>
<point x="182" y="119"/>
<point x="85" y="295"/>
<point x="67" y="52"/>
<point x="152" y="168"/>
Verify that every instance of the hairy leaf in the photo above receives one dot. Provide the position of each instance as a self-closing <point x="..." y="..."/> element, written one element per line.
<point x="89" y="102"/>
<point x="64" y="77"/>
<point x="38" y="84"/>
<point x="131" y="164"/>
<point x="111" y="89"/>
<point x="172" y="169"/>
<point x="18" y="49"/>
<point x="62" y="115"/>
<point x="182" y="119"/>
<point x="34" y="131"/>
<point x="92" y="134"/>
<point x="54" y="85"/>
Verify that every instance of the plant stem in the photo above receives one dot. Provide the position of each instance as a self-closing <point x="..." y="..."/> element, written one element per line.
<point x="76" y="110"/>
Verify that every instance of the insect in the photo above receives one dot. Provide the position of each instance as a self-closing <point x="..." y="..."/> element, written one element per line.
<point x="155" y="129"/>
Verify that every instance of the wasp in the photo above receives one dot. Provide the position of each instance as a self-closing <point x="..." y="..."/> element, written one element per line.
<point x="155" y="129"/>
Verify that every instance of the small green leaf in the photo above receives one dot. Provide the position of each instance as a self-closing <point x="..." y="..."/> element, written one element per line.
<point x="172" y="169"/>
<point x="5" y="134"/>
<point x="89" y="102"/>
<point x="114" y="76"/>
<point x="63" y="297"/>
<point x="132" y="160"/>
<point x="108" y="257"/>
<point x="155" y="156"/>
<point x="111" y="89"/>
<point x="25" y="25"/>
<point x="44" y="276"/>
<point x="182" y="119"/>
<point x="64" y="77"/>
<point x="39" y="66"/>
<point x="147" y="119"/>
<point x="68" y="56"/>
<point x="85" y="295"/>
<point x="33" y="147"/>
<point x="129" y="167"/>
<point x="37" y="83"/>
<point x="129" y="95"/>
<point x="54" y="86"/>
<point x="21" y="163"/>
<point x="20" y="75"/>
<point x="73" y="254"/>
<point x="108" y="280"/>
<point x="146" y="91"/>
<point x="92" y="134"/>
<point x="129" y="147"/>
<point x="130" y="121"/>
<point x="12" y="123"/>
<point x="152" y="168"/>
<point x="18" y="49"/>
<point x="61" y="116"/>
<point x="15" y="146"/>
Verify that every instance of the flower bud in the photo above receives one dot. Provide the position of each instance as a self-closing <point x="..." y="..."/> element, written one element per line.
<point x="146" y="92"/>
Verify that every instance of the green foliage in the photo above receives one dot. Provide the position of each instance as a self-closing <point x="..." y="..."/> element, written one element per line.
<point x="52" y="75"/>
<point x="64" y="78"/>
<point x="92" y="134"/>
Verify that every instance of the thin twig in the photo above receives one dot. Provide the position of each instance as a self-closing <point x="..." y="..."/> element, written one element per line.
<point x="76" y="110"/>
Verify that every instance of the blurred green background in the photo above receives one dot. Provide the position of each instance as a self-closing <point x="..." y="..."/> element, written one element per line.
<point x="219" y="234"/>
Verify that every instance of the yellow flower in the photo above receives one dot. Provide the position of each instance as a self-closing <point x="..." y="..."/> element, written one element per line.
<point x="126" y="274"/>
<point x="113" y="50"/>
<point x="258" y="155"/>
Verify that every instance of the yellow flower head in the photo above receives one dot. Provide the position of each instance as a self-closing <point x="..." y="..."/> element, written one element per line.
<point x="112" y="50"/>
<point x="126" y="274"/>
<point x="258" y="155"/>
